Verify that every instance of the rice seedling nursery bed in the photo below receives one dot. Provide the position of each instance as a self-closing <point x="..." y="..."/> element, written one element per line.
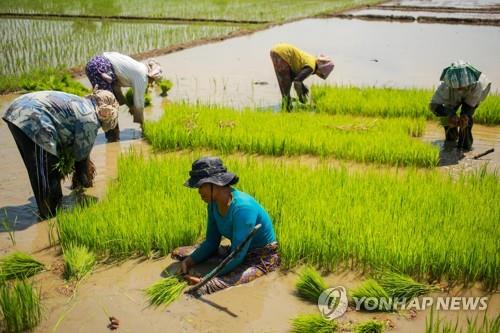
<point x="385" y="141"/>
<point x="391" y="102"/>
<point x="417" y="222"/>
<point x="255" y="10"/>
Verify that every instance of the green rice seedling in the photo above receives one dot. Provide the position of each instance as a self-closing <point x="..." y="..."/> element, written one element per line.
<point x="313" y="323"/>
<point x="370" y="326"/>
<point x="390" y="102"/>
<point x="366" y="140"/>
<point x="19" y="265"/>
<point x="129" y="98"/>
<point x="402" y="287"/>
<point x="357" y="219"/>
<point x="165" y="86"/>
<point x="370" y="296"/>
<point x="166" y="290"/>
<point x="66" y="163"/>
<point x="19" y="306"/>
<point x="310" y="284"/>
<point x="52" y="79"/>
<point x="78" y="262"/>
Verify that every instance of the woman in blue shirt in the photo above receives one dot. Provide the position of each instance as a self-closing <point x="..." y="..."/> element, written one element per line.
<point x="232" y="214"/>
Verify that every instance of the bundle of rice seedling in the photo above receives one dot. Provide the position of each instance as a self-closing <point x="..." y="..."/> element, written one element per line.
<point x="402" y="287"/>
<point x="19" y="265"/>
<point x="66" y="162"/>
<point x="310" y="284"/>
<point x="129" y="98"/>
<point x="166" y="290"/>
<point x="313" y="323"/>
<point x="370" y="326"/>
<point x="165" y="86"/>
<point x="19" y="306"/>
<point x="78" y="262"/>
<point x="370" y="296"/>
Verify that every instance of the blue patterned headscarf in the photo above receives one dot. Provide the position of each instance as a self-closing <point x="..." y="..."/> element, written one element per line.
<point x="460" y="74"/>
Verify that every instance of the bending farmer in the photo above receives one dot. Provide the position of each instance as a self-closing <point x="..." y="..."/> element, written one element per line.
<point x="462" y="86"/>
<point x="232" y="214"/>
<point x="293" y="65"/>
<point x="112" y="70"/>
<point x="47" y="125"/>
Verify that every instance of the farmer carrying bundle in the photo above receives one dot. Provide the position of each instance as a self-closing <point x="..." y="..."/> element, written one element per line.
<point x="49" y="124"/>
<point x="232" y="214"/>
<point x="462" y="86"/>
<point x="293" y="65"/>
<point x="112" y="70"/>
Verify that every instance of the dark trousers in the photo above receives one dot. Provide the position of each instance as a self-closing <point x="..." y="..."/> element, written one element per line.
<point x="462" y="134"/>
<point x="44" y="178"/>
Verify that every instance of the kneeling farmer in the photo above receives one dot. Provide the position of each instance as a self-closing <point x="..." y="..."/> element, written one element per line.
<point x="232" y="214"/>
<point x="462" y="86"/>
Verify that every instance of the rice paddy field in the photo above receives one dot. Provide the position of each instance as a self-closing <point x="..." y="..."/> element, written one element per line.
<point x="391" y="102"/>
<point x="384" y="141"/>
<point x="359" y="220"/>
<point x="255" y="10"/>
<point x="358" y="194"/>
<point x="29" y="44"/>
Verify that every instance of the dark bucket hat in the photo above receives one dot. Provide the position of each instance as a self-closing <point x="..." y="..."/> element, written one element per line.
<point x="210" y="170"/>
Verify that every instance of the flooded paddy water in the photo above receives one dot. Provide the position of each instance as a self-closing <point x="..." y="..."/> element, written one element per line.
<point x="238" y="72"/>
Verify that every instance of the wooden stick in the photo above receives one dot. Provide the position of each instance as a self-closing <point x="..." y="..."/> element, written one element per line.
<point x="219" y="267"/>
<point x="491" y="150"/>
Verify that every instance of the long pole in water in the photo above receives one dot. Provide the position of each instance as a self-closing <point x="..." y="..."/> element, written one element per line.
<point x="484" y="153"/>
<point x="223" y="263"/>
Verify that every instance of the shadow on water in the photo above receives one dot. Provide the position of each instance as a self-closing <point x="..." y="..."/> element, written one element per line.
<point x="449" y="154"/>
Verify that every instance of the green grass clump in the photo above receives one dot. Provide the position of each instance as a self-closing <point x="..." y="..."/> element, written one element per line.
<point x="129" y="98"/>
<point x="313" y="323"/>
<point x="20" y="306"/>
<point x="165" y="86"/>
<point x="310" y="284"/>
<point x="166" y="290"/>
<point x="348" y="218"/>
<point x="78" y="262"/>
<point x="402" y="287"/>
<point x="391" y="102"/>
<point x="370" y="296"/>
<point x="433" y="324"/>
<point x="43" y="79"/>
<point x="19" y="265"/>
<point x="370" y="326"/>
<point x="368" y="140"/>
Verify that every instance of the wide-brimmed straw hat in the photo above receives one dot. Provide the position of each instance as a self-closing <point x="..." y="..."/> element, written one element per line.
<point x="210" y="170"/>
<point x="324" y="66"/>
<point x="460" y="74"/>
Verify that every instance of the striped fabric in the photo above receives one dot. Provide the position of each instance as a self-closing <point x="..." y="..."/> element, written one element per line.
<point x="460" y="74"/>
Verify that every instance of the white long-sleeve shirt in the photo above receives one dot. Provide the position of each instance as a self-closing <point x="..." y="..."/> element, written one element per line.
<point x="472" y="96"/>
<point x="130" y="73"/>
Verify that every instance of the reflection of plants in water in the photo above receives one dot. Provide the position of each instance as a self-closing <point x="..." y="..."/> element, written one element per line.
<point x="353" y="221"/>
<point x="386" y="141"/>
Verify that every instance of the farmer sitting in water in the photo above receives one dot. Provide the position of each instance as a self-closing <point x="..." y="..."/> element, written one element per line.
<point x="232" y="214"/>
<point x="112" y="71"/>
<point x="462" y="86"/>
<point x="293" y="65"/>
<point x="47" y="125"/>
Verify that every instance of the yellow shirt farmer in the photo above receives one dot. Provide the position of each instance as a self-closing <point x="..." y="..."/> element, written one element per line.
<point x="291" y="64"/>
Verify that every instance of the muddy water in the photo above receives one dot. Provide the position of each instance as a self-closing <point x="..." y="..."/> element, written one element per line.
<point x="238" y="72"/>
